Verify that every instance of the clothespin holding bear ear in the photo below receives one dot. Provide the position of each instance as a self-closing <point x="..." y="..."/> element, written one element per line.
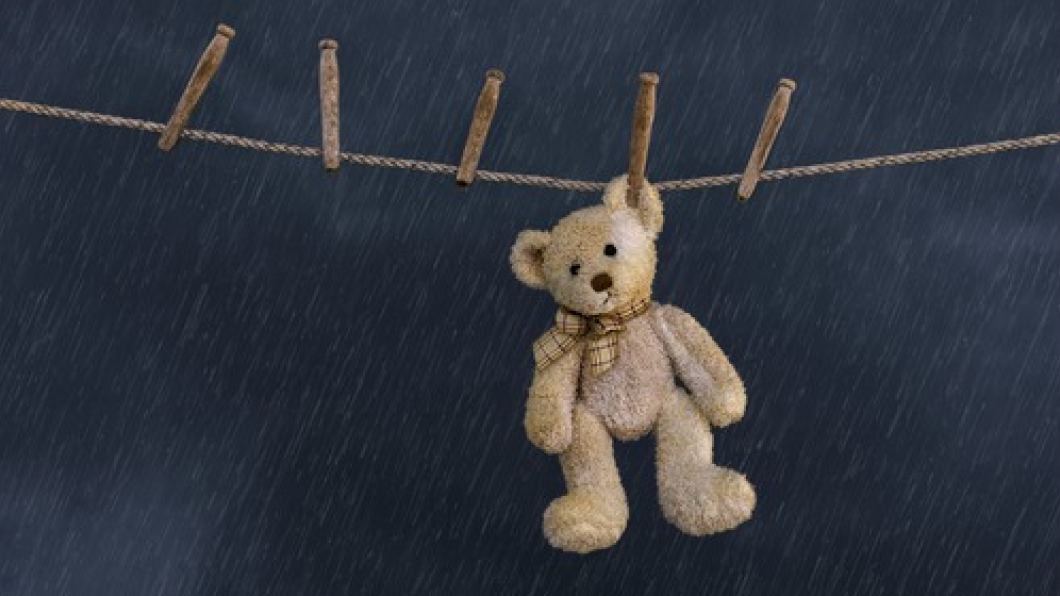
<point x="485" y="108"/>
<point x="329" y="104"/>
<point x="778" y="109"/>
<point x="200" y="79"/>
<point x="640" y="137"/>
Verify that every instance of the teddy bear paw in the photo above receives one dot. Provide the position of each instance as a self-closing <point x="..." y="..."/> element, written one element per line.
<point x="727" y="408"/>
<point x="586" y="519"/>
<point x="715" y="500"/>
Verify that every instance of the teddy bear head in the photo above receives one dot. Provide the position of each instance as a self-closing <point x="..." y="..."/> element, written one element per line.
<point x="596" y="260"/>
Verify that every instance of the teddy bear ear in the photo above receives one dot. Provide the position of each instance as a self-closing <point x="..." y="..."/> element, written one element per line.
<point x="528" y="257"/>
<point x="649" y="210"/>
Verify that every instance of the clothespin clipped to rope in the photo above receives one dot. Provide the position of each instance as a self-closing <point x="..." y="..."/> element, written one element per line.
<point x="767" y="135"/>
<point x="485" y="108"/>
<point x="200" y="79"/>
<point x="640" y="136"/>
<point x="329" y="104"/>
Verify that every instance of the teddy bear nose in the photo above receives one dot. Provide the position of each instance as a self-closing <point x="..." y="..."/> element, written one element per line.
<point x="600" y="282"/>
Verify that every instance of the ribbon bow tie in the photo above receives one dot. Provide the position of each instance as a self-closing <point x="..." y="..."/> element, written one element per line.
<point x="602" y="332"/>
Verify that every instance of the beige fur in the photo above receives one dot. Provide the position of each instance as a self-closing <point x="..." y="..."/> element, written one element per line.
<point x="593" y="513"/>
<point x="628" y="398"/>
<point x="702" y="366"/>
<point x="574" y="412"/>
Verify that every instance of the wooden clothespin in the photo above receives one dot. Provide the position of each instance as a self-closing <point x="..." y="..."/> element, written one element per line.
<point x="200" y="79"/>
<point x="640" y="137"/>
<point x="485" y="108"/>
<point x="329" y="104"/>
<point x="778" y="109"/>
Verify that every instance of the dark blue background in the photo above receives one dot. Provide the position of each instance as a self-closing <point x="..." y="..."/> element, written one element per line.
<point x="228" y="373"/>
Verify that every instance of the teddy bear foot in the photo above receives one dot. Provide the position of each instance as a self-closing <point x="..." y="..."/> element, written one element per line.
<point x="586" y="519"/>
<point x="711" y="500"/>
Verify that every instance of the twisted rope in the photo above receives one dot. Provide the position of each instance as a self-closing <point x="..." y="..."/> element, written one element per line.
<point x="530" y="179"/>
<point x="870" y="162"/>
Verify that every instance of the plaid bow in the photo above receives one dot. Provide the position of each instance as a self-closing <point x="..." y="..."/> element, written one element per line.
<point x="602" y="332"/>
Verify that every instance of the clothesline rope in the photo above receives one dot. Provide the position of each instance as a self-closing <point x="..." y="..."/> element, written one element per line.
<point x="531" y="179"/>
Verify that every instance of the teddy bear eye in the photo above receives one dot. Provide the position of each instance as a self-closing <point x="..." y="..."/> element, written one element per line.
<point x="574" y="269"/>
<point x="610" y="250"/>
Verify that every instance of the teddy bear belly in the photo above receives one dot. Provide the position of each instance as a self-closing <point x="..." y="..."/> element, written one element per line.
<point x="627" y="416"/>
<point x="628" y="396"/>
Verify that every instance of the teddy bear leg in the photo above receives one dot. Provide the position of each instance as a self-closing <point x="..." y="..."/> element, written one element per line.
<point x="696" y="495"/>
<point x="593" y="513"/>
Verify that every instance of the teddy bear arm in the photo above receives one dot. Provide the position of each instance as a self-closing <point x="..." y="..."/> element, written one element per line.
<point x="703" y="367"/>
<point x="550" y="406"/>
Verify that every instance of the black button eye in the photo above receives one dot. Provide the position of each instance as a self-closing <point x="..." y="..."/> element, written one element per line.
<point x="574" y="269"/>
<point x="610" y="250"/>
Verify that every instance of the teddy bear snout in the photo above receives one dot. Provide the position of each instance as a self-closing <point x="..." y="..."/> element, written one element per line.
<point x="600" y="282"/>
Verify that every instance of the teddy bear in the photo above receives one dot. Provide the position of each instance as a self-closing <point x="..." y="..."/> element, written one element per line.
<point x="609" y="369"/>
